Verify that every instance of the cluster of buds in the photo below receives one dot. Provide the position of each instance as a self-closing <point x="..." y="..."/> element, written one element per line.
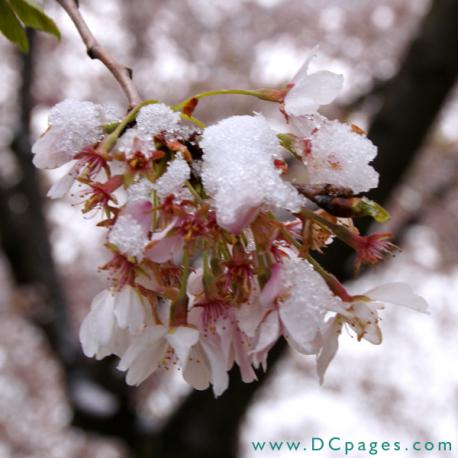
<point x="212" y="247"/>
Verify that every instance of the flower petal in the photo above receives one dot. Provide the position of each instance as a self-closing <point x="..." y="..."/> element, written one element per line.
<point x="61" y="187"/>
<point x="332" y="330"/>
<point x="48" y="150"/>
<point x="238" y="171"/>
<point x="140" y="211"/>
<point x="144" y="366"/>
<point x="117" y="345"/>
<point x="219" y="375"/>
<point x="398" y="293"/>
<point x="300" y="325"/>
<point x="97" y="326"/>
<point x="102" y="314"/>
<point x="312" y="91"/>
<point x="269" y="331"/>
<point x="129" y="309"/>
<point x="195" y="286"/>
<point x="249" y="317"/>
<point x="196" y="371"/>
<point x="363" y="319"/>
<point x="181" y="340"/>
<point x="242" y="357"/>
<point x="273" y="286"/>
<point x="147" y="341"/>
<point x="304" y="69"/>
<point x="164" y="249"/>
<point x="88" y="336"/>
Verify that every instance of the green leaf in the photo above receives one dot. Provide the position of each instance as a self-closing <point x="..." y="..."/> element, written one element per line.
<point x="11" y="27"/>
<point x="366" y="207"/>
<point x="33" y="16"/>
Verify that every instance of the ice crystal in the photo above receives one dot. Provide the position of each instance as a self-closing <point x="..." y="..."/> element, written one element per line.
<point x="182" y="133"/>
<point x="340" y="156"/>
<point x="73" y="126"/>
<point x="139" y="190"/>
<point x="156" y="118"/>
<point x="308" y="300"/>
<point x="81" y="121"/>
<point x="128" y="236"/>
<point x="238" y="169"/>
<point x="133" y="141"/>
<point x="112" y="113"/>
<point x="178" y="171"/>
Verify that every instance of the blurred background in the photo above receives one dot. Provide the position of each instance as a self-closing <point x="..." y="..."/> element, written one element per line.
<point x="400" y="61"/>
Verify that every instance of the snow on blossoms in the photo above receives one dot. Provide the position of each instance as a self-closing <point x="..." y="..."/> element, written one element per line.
<point x="212" y="245"/>
<point x="244" y="147"/>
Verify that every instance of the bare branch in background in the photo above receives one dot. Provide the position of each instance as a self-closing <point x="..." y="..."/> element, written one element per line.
<point x="122" y="74"/>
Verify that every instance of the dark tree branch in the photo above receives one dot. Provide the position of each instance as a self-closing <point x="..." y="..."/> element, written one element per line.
<point x="414" y="98"/>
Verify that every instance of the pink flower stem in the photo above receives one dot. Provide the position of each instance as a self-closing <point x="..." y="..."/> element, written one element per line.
<point x="334" y="284"/>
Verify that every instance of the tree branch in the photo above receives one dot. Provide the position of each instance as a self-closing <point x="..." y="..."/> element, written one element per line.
<point x="122" y="74"/>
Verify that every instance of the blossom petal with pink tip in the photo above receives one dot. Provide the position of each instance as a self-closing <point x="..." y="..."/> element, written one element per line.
<point x="164" y="250"/>
<point x="130" y="231"/>
<point x="74" y="124"/>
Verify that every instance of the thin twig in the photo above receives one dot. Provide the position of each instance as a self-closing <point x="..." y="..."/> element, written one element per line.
<point x="122" y="73"/>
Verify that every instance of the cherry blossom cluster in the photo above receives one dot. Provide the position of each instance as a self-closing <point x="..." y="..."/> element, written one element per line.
<point x="212" y="246"/>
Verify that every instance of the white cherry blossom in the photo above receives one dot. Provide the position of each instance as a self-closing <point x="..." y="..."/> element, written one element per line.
<point x="311" y="90"/>
<point x="156" y="345"/>
<point x="73" y="125"/>
<point x="335" y="154"/>
<point x="362" y="317"/>
<point x="205" y="367"/>
<point x="293" y="303"/>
